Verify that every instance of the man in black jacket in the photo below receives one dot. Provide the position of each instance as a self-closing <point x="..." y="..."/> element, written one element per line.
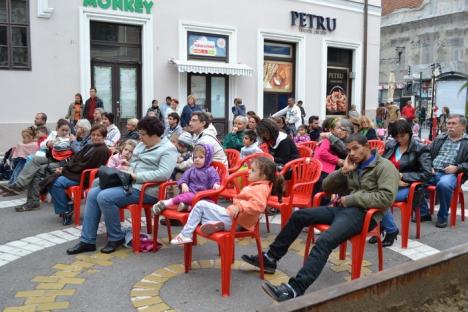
<point x="449" y="154"/>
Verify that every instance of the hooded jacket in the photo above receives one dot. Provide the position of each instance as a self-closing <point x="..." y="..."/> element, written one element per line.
<point x="201" y="179"/>
<point x="206" y="137"/>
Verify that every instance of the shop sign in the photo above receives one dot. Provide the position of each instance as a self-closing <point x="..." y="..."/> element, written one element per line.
<point x="312" y="23"/>
<point x="204" y="45"/>
<point x="337" y="91"/>
<point x="134" y="6"/>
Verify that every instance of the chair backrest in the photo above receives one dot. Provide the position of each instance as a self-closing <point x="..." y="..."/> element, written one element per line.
<point x="233" y="157"/>
<point x="248" y="160"/>
<point x="87" y="178"/>
<point x="264" y="148"/>
<point x="238" y="180"/>
<point x="377" y="144"/>
<point x="221" y="169"/>
<point x="310" y="144"/>
<point x="303" y="170"/>
<point x="304" y="151"/>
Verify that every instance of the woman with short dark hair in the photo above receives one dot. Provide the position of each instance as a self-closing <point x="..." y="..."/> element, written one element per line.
<point x="113" y="133"/>
<point x="413" y="161"/>
<point x="153" y="160"/>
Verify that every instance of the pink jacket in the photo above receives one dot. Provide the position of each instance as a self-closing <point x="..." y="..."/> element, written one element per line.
<point x="115" y="161"/>
<point x="251" y="202"/>
<point x="326" y="156"/>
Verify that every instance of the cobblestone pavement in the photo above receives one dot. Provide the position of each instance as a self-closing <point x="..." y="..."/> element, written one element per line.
<point x="37" y="275"/>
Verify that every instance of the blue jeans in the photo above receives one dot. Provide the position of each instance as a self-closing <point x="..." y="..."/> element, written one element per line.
<point x="59" y="198"/>
<point x="107" y="202"/>
<point x="388" y="223"/>
<point x="18" y="164"/>
<point x="344" y="223"/>
<point x="445" y="184"/>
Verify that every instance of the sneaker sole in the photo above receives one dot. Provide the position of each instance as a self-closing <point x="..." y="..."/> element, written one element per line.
<point x="210" y="228"/>
<point x="265" y="269"/>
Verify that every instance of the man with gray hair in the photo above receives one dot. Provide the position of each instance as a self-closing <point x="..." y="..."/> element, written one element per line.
<point x="82" y="128"/>
<point x="449" y="153"/>
<point x="235" y="139"/>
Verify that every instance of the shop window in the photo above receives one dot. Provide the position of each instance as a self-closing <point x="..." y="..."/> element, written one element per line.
<point x="15" y="45"/>
<point x="338" y="81"/>
<point x="203" y="46"/>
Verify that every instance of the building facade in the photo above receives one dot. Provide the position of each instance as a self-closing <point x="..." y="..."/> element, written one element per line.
<point x="424" y="43"/>
<point x="262" y="51"/>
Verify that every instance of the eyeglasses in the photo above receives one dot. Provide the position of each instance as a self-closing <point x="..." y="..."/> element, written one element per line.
<point x="343" y="129"/>
<point x="141" y="133"/>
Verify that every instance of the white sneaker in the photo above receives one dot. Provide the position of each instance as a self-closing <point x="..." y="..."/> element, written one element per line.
<point x="181" y="239"/>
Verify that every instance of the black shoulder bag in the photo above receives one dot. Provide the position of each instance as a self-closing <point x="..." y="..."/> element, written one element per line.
<point x="112" y="177"/>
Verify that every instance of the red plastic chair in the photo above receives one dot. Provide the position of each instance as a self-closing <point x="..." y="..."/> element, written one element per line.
<point x="310" y="144"/>
<point x="225" y="241"/>
<point x="264" y="148"/>
<point x="230" y="190"/>
<point x="170" y="213"/>
<point x="358" y="242"/>
<point x="304" y="151"/>
<point x="377" y="144"/>
<point x="305" y="172"/>
<point x="233" y="157"/>
<point x="135" y="214"/>
<point x="406" y="209"/>
<point x="457" y="196"/>
<point x="78" y="192"/>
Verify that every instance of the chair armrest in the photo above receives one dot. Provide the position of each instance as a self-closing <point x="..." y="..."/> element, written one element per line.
<point x="88" y="173"/>
<point x="460" y="179"/>
<point x="236" y="167"/>
<point x="163" y="189"/>
<point x="213" y="194"/>
<point x="318" y="198"/>
<point x="143" y="189"/>
<point x="368" y="218"/>
<point x="411" y="193"/>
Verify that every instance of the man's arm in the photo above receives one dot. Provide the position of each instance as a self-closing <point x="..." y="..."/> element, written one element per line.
<point x="280" y="112"/>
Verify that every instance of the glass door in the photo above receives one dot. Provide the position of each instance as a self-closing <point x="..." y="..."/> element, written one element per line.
<point x="211" y="92"/>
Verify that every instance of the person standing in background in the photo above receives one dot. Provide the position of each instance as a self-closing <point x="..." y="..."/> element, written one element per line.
<point x="293" y="116"/>
<point x="91" y="104"/>
<point x="303" y="113"/>
<point x="155" y="111"/>
<point x="188" y="110"/>
<point x="238" y="109"/>
<point x="75" y="110"/>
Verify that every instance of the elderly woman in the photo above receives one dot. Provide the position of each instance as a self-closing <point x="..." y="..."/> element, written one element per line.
<point x="83" y="137"/>
<point x="413" y="161"/>
<point x="153" y="160"/>
<point x="235" y="139"/>
<point x="90" y="156"/>
<point x="280" y="145"/>
<point x="113" y="133"/>
<point x="366" y="128"/>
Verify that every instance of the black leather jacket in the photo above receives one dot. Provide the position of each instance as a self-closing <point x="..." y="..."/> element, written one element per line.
<point x="415" y="163"/>
<point x="462" y="158"/>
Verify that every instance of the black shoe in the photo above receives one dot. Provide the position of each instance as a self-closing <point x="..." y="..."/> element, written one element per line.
<point x="112" y="246"/>
<point x="441" y="225"/>
<point x="390" y="238"/>
<point x="81" y="247"/>
<point x="173" y="222"/>
<point x="425" y="218"/>
<point x="27" y="207"/>
<point x="278" y="293"/>
<point x="373" y="239"/>
<point x="67" y="218"/>
<point x="269" y="266"/>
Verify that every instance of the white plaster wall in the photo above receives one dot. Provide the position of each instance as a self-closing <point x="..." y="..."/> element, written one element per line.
<point x="55" y="74"/>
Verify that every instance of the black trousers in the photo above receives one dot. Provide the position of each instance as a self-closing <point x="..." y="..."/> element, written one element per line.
<point x="344" y="223"/>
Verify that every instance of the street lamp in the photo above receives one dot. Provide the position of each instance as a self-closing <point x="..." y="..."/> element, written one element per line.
<point x="436" y="70"/>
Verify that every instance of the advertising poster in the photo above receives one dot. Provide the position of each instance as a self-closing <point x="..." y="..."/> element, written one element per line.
<point x="208" y="46"/>
<point x="337" y="91"/>
<point x="277" y="76"/>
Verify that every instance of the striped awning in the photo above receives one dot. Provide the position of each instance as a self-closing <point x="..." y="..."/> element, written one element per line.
<point x="206" y="67"/>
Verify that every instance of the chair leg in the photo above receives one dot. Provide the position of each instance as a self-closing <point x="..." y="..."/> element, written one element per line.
<point x="286" y="212"/>
<point x="405" y="221"/>
<point x="155" y="231"/>
<point x="188" y="257"/>
<point x="309" y="240"/>
<point x="149" y="227"/>
<point x="432" y="198"/>
<point x="343" y="250"/>
<point x="135" y="212"/>
<point x="357" y="255"/>
<point x="380" y="250"/>
<point x="453" y="208"/>
<point x="169" y="232"/>
<point x="418" y="222"/>
<point x="462" y="204"/>
<point x="77" y="207"/>
<point x="226" y="262"/>
<point x="260" y="253"/>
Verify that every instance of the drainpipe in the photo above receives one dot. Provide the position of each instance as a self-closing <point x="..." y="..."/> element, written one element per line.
<point x="364" y="60"/>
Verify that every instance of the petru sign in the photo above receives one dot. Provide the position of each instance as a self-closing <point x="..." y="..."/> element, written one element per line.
<point x="136" y="6"/>
<point x="312" y="23"/>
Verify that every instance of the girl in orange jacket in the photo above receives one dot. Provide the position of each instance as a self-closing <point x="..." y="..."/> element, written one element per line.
<point x="246" y="207"/>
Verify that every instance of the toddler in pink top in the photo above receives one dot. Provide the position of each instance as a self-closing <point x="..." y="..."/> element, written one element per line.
<point x="121" y="160"/>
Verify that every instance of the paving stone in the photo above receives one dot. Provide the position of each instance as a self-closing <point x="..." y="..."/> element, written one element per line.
<point x="156" y="308"/>
<point x="28" y="308"/>
<point x="6" y="248"/>
<point x="20" y="252"/>
<point x="42" y="299"/>
<point x="145" y="292"/>
<point x="30" y="293"/>
<point x="8" y="257"/>
<point x="51" y="238"/>
<point x="66" y="274"/>
<point x="145" y="302"/>
<point x="60" y="292"/>
<point x="3" y="262"/>
<point x="179" y="268"/>
<point x="32" y="247"/>
<point x="53" y="306"/>
<point x="46" y="279"/>
<point x="16" y="244"/>
<point x="58" y="285"/>
<point x="147" y="285"/>
<point x="42" y="243"/>
<point x="67" y="267"/>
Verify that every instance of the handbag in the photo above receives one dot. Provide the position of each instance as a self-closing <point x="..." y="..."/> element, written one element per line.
<point x="112" y="177"/>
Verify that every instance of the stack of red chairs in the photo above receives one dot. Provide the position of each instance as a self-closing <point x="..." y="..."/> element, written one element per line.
<point x="310" y="144"/>
<point x="377" y="144"/>
<point x="233" y="157"/>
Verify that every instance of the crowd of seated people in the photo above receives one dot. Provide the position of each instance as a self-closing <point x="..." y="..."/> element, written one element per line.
<point x="158" y="148"/>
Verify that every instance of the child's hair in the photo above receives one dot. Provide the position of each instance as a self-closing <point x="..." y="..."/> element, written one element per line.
<point x="29" y="132"/>
<point x="268" y="168"/>
<point x="199" y="149"/>
<point x="130" y="142"/>
<point x="302" y="127"/>
<point x="133" y="122"/>
<point x="252" y="135"/>
<point x="42" y="130"/>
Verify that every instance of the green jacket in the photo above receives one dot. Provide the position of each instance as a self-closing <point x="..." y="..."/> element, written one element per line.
<point x="375" y="188"/>
<point x="234" y="140"/>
